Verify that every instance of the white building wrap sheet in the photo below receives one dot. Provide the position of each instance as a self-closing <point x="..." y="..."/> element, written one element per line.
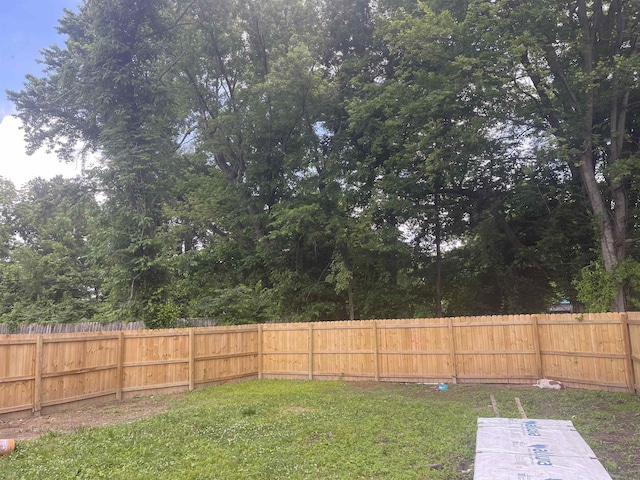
<point x="530" y="449"/>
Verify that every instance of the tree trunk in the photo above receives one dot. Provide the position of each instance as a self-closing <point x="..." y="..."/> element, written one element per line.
<point x="438" y="240"/>
<point x="606" y="225"/>
<point x="611" y="219"/>
<point x="352" y="307"/>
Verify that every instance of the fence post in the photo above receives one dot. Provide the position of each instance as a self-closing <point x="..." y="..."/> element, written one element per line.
<point x="260" y="352"/>
<point x="624" y="324"/>
<point x="376" y="365"/>
<point x="37" y="386"/>
<point x="452" y="352"/>
<point x="310" y="351"/>
<point x="192" y="363"/>
<point x="119" y="365"/>
<point x="536" y="346"/>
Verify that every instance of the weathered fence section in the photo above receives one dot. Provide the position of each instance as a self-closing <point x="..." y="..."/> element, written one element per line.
<point x="81" y="327"/>
<point x="600" y="351"/>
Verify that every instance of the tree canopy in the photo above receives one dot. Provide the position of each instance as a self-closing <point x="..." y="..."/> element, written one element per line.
<point x="265" y="160"/>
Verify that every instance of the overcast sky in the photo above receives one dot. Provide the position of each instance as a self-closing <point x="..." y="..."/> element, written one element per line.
<point x="26" y="27"/>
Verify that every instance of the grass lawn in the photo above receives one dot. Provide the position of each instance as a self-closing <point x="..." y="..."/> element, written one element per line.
<point x="322" y="430"/>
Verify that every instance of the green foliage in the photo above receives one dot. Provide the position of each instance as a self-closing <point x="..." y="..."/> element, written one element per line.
<point x="570" y="84"/>
<point x="597" y="288"/>
<point x="7" y="200"/>
<point x="285" y="160"/>
<point x="237" y="305"/>
<point x="47" y="275"/>
<point x="159" y="312"/>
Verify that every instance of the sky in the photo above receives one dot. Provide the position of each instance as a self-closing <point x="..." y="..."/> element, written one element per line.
<point x="26" y="27"/>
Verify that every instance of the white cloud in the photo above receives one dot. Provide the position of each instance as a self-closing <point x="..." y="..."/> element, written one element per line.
<point x="17" y="166"/>
<point x="6" y="108"/>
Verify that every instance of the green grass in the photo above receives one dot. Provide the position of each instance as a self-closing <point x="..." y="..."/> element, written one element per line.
<point x="320" y="430"/>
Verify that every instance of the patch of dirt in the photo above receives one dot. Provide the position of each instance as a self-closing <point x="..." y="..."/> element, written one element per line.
<point x="67" y="421"/>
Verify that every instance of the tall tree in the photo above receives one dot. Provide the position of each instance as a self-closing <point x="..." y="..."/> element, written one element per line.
<point x="428" y="153"/>
<point x="106" y="91"/>
<point x="568" y="71"/>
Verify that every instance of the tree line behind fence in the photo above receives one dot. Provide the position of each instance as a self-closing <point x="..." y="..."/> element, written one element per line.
<point x="600" y="351"/>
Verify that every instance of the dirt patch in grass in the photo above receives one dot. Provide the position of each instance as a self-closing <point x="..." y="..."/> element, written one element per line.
<point x="67" y="421"/>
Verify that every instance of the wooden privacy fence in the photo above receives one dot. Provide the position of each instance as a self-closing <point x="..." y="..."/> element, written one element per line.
<point x="600" y="351"/>
<point x="589" y="350"/>
<point x="41" y="371"/>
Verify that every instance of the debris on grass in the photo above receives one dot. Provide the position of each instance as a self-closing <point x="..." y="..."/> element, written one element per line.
<point x="7" y="445"/>
<point x="494" y="405"/>
<point x="546" y="383"/>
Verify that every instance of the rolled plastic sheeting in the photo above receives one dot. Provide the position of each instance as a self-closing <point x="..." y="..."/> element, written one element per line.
<point x="531" y="449"/>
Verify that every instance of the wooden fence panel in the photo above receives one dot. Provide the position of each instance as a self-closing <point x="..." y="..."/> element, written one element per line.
<point x="156" y="360"/>
<point x="225" y="354"/>
<point x="500" y="349"/>
<point x="633" y="321"/>
<point x="583" y="350"/>
<point x="77" y="368"/>
<point x="343" y="351"/>
<point x="285" y="351"/>
<point x="418" y="351"/>
<point x="17" y="374"/>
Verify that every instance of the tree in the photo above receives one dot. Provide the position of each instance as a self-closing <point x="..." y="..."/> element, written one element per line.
<point x="105" y="91"/>
<point x="425" y="154"/>
<point x="323" y="159"/>
<point x="7" y="199"/>
<point x="565" y="71"/>
<point x="48" y="273"/>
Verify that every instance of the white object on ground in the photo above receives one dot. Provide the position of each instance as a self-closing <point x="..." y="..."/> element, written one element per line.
<point x="546" y="383"/>
<point x="530" y="449"/>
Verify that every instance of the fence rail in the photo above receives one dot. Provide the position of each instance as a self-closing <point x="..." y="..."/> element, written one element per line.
<point x="598" y="351"/>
